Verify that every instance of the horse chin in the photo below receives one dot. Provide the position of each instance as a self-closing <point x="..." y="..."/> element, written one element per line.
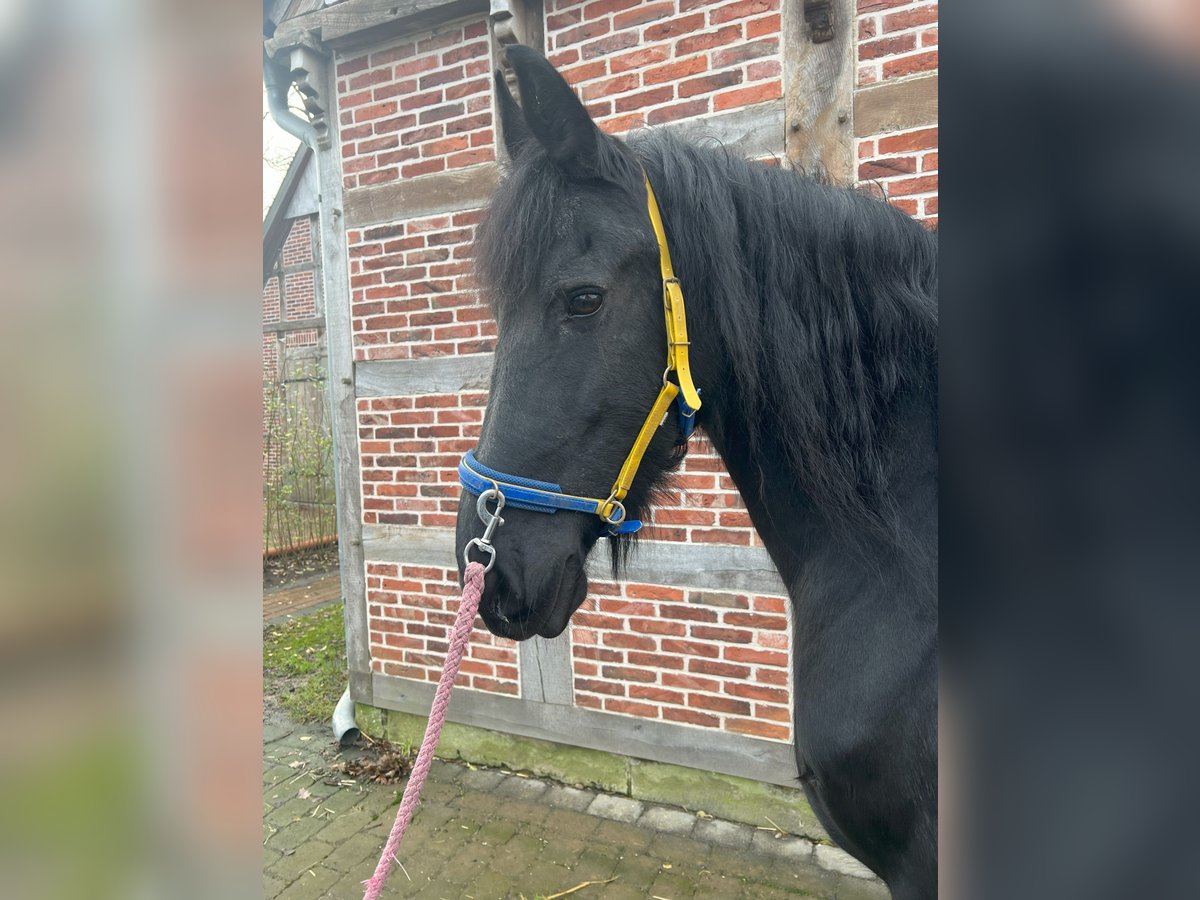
<point x="546" y="617"/>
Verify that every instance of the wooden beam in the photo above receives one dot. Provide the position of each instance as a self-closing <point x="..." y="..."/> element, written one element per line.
<point x="358" y="23"/>
<point x="818" y="87"/>
<point x="428" y="195"/>
<point x="896" y="106"/>
<point x="717" y="751"/>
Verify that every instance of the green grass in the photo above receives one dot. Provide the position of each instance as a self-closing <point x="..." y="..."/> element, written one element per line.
<point x="304" y="663"/>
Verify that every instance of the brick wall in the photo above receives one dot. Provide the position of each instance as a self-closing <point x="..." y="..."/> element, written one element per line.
<point x="422" y="106"/>
<point x="638" y="64"/>
<point x="416" y="107"/>
<point x="296" y="267"/>
<point x="412" y="293"/>
<point x="896" y="40"/>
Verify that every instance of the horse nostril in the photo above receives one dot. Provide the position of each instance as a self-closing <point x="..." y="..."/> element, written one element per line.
<point x="499" y="612"/>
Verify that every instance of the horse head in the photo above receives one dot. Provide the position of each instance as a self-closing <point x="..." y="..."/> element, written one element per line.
<point x="569" y="260"/>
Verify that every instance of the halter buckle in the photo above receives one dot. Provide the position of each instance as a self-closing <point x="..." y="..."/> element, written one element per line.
<point x="491" y="521"/>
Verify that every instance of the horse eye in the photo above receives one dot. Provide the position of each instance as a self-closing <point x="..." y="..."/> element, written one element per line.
<point x="584" y="304"/>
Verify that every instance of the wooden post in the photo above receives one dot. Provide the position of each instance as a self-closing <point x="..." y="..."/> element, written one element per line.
<point x="818" y="92"/>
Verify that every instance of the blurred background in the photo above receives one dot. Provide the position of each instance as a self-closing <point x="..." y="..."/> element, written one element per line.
<point x="131" y="448"/>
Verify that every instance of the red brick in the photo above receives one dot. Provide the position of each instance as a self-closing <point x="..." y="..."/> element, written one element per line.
<point x="888" y="168"/>
<point x="416" y="66"/>
<point x="709" y="83"/>
<point x="754" y="620"/>
<point x="719" y="669"/>
<point x="770" y="604"/>
<point x="627" y="641"/>
<point x="580" y="33"/>
<point x="713" y="633"/>
<point x="910" y="18"/>
<point x="380" y="177"/>
<point x="690" y="716"/>
<point x="642" y="15"/>
<point x="765" y="25"/>
<point x="653" y="592"/>
<point x="441" y="76"/>
<point x="350" y="66"/>
<point x="922" y="184"/>
<point x="657" y="626"/>
<point x="757" y="692"/>
<point x="627" y="707"/>
<point x="653" y="660"/>
<point x="638" y="59"/>
<point x="655" y="694"/>
<point x="719" y="704"/>
<point x="684" y="517"/>
<point x="743" y="52"/>
<point x="439" y="113"/>
<point x="709" y="39"/>
<point x="689" y="648"/>
<point x="563" y="19"/>
<point x="742" y="10"/>
<point x="759" y="657"/>
<point x="774" y="713"/>
<point x="769" y="68"/>
<point x="377" y="76"/>
<point x="599" y="687"/>
<point x="758" y="729"/>
<point x="618" y="85"/>
<point x="470" y="158"/>
<point x="645" y="99"/>
<point x="418" y="100"/>
<point x="619" y="607"/>
<point x="690" y="682"/>
<point x="889" y="46"/>
<point x="586" y="72"/>
<point x="674" y="28"/>
<point x="910" y="65"/>
<point x="609" y="44"/>
<point x="865" y="6"/>
<point x="467" y="51"/>
<point x="688" y="613"/>
<point x="607" y="7"/>
<point x="624" y="673"/>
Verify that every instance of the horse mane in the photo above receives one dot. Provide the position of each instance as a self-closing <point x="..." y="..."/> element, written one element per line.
<point x="824" y="298"/>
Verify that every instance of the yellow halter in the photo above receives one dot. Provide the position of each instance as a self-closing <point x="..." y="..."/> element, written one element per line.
<point x="545" y="497"/>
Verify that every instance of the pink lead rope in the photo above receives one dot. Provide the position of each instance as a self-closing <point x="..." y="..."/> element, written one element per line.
<point x="472" y="590"/>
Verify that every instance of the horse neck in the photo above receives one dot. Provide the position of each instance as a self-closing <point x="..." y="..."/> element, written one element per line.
<point x="761" y="457"/>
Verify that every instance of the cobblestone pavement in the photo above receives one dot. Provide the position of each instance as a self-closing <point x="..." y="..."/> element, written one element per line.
<point x="482" y="834"/>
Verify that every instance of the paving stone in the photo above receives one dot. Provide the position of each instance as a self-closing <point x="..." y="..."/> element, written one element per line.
<point x="482" y="834"/>
<point x="297" y="833"/>
<point x="520" y="788"/>
<point x="619" y="809"/>
<point x="496" y="833"/>
<point x="312" y="885"/>
<point x="673" y="886"/>
<point x="563" y="797"/>
<point x="671" y="821"/>
<point x="787" y="847"/>
<point x="344" y="826"/>
<point x="481" y="779"/>
<point x="837" y="860"/>
<point x="291" y="865"/>
<point x="347" y="855"/>
<point x="727" y="834"/>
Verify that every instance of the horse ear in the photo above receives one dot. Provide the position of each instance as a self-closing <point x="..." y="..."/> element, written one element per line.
<point x="555" y="115"/>
<point x="517" y="135"/>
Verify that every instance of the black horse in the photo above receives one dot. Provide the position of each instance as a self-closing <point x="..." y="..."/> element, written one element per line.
<point x="812" y="317"/>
